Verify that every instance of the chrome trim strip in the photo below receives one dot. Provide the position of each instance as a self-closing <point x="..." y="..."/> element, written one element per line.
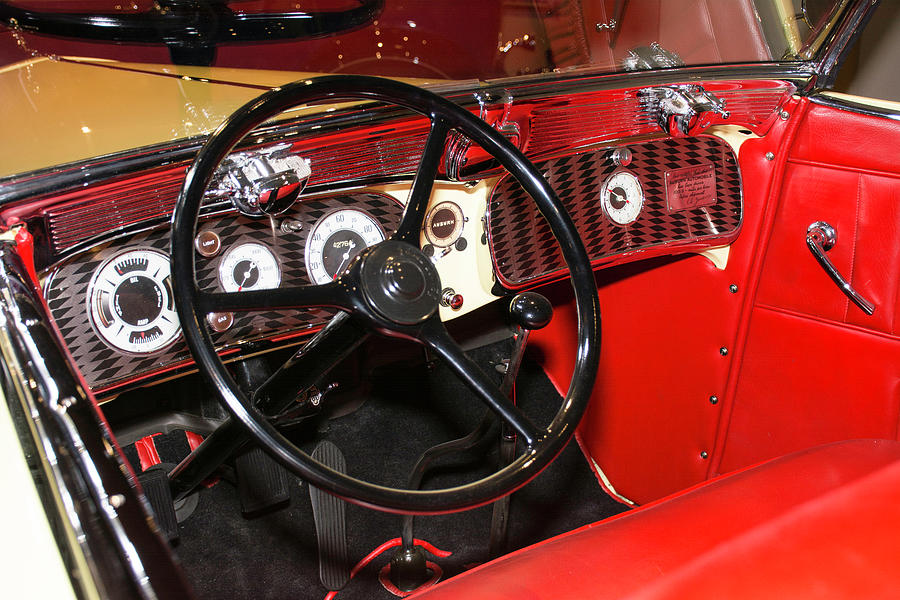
<point x="94" y="170"/>
<point x="857" y="107"/>
<point x="96" y="503"/>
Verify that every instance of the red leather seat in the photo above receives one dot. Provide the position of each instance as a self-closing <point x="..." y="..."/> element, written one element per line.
<point x="821" y="523"/>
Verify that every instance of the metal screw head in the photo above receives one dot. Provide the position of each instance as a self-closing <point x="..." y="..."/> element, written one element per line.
<point x="713" y="399"/>
<point x="733" y="288"/>
<point x="723" y="351"/>
<point x="770" y="156"/>
<point x="116" y="500"/>
<point x="704" y="455"/>
<point x="785" y="115"/>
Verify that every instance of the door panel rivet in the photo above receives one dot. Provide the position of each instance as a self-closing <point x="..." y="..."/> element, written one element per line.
<point x="770" y="156"/>
<point x="723" y="351"/>
<point x="704" y="455"/>
<point x="713" y="399"/>
<point x="733" y="288"/>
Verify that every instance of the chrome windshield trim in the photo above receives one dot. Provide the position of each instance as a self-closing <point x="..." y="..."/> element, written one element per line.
<point x="857" y="107"/>
<point x="106" y="518"/>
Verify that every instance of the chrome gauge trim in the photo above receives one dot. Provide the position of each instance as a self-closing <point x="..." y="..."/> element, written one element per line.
<point x="249" y="266"/>
<point x="130" y="303"/>
<point x="444" y="224"/>
<point x="622" y="197"/>
<point x="336" y="239"/>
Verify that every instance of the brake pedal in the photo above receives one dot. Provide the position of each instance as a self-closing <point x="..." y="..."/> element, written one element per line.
<point x="155" y="483"/>
<point x="329" y="513"/>
<point x="262" y="483"/>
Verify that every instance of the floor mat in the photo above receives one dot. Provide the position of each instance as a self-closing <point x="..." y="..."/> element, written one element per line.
<point x="274" y="555"/>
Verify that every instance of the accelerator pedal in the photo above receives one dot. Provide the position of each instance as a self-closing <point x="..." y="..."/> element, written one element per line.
<point x="329" y="513"/>
<point x="155" y="483"/>
<point x="262" y="483"/>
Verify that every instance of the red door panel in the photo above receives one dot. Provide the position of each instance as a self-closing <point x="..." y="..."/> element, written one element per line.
<point x="815" y="368"/>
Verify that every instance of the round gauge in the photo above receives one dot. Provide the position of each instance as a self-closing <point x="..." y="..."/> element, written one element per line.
<point x="130" y="302"/>
<point x="622" y="197"/>
<point x="249" y="266"/>
<point x="336" y="240"/>
<point x="444" y="224"/>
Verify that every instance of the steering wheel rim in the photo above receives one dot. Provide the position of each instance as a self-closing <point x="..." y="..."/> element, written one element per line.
<point x="445" y="116"/>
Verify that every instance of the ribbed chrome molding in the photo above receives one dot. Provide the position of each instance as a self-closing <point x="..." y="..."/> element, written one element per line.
<point x="99" y="519"/>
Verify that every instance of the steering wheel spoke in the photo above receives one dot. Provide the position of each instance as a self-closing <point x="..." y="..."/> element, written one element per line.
<point x="420" y="193"/>
<point x="435" y="335"/>
<point x="392" y="289"/>
<point x="328" y="294"/>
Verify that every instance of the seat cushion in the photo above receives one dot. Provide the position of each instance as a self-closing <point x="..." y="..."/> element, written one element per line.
<point x="804" y="524"/>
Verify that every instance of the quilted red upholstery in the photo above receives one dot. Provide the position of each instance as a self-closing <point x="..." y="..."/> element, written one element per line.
<point x="820" y="522"/>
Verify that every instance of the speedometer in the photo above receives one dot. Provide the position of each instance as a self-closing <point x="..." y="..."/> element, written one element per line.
<point x="336" y="240"/>
<point x="130" y="302"/>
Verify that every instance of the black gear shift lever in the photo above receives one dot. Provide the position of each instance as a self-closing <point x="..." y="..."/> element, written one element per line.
<point x="527" y="311"/>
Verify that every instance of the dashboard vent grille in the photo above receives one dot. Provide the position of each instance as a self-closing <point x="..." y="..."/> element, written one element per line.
<point x="589" y="120"/>
<point x="84" y="214"/>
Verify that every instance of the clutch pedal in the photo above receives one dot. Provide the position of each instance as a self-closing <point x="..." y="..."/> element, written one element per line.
<point x="155" y="483"/>
<point x="329" y="513"/>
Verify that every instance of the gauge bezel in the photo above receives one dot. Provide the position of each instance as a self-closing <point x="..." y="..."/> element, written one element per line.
<point x="307" y="255"/>
<point x="119" y="342"/>
<point x="605" y="199"/>
<point x="235" y="249"/>
<point x="455" y="234"/>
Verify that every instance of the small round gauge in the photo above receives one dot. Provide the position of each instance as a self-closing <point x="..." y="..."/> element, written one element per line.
<point x="622" y="197"/>
<point x="130" y="302"/>
<point x="249" y="266"/>
<point x="336" y="240"/>
<point x="444" y="224"/>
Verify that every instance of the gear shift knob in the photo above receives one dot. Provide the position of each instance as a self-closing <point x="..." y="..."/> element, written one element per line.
<point x="530" y="310"/>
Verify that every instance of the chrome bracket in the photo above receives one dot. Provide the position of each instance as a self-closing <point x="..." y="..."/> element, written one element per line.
<point x="458" y="144"/>
<point x="261" y="182"/>
<point x="820" y="238"/>
<point x="682" y="110"/>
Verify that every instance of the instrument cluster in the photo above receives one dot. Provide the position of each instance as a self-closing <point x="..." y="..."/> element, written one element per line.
<point x="114" y="302"/>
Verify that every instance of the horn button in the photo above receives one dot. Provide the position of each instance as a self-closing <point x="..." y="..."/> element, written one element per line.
<point x="400" y="283"/>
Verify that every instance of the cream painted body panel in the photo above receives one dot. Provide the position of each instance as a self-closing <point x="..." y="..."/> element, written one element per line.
<point x="58" y="111"/>
<point x="30" y="564"/>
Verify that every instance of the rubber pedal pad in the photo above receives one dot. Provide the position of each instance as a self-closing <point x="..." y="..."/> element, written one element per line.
<point x="329" y="513"/>
<point x="262" y="483"/>
<point x="155" y="483"/>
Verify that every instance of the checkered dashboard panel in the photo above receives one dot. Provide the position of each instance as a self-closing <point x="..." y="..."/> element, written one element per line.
<point x="105" y="367"/>
<point x="524" y="250"/>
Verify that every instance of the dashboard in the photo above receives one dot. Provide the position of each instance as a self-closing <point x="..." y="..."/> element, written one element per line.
<point x="632" y="191"/>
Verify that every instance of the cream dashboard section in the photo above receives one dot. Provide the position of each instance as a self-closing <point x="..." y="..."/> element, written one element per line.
<point x="457" y="267"/>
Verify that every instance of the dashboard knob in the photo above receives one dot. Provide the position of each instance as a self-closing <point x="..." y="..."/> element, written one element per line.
<point x="530" y="310"/>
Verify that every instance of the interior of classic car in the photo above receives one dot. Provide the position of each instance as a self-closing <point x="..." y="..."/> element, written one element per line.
<point x="577" y="299"/>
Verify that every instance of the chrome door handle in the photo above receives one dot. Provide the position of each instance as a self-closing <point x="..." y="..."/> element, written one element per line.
<point x="820" y="238"/>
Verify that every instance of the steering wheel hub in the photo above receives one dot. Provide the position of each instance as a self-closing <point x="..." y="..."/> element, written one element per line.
<point x="400" y="283"/>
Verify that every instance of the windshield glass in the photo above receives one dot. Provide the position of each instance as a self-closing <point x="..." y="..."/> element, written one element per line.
<point x="462" y="39"/>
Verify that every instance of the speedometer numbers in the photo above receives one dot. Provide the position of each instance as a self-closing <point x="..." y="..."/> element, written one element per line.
<point x="130" y="302"/>
<point x="336" y="240"/>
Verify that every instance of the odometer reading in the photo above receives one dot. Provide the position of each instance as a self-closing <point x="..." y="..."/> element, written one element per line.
<point x="336" y="240"/>
<point x="130" y="302"/>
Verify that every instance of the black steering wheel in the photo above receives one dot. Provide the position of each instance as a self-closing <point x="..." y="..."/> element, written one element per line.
<point x="392" y="289"/>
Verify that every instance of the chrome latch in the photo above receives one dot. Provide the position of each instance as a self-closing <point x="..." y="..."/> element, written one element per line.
<point x="682" y="110"/>
<point x="261" y="182"/>
<point x="820" y="238"/>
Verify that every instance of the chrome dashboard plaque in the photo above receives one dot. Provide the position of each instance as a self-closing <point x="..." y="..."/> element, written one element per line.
<point x="690" y="187"/>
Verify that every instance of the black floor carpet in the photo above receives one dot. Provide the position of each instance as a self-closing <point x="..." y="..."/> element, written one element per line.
<point x="406" y="411"/>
